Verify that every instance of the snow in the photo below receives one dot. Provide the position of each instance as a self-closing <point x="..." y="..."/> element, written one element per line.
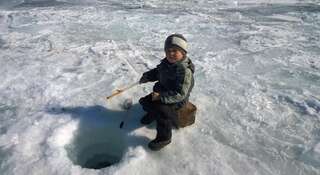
<point x="257" y="86"/>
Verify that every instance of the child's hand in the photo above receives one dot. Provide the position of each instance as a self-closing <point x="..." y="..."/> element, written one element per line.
<point x="155" y="96"/>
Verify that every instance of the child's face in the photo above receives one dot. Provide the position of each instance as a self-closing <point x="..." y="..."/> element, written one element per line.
<point x="174" y="55"/>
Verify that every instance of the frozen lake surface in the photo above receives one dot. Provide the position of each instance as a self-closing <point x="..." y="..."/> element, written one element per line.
<point x="257" y="86"/>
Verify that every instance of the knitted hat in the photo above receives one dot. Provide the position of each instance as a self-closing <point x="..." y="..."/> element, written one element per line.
<point x="176" y="40"/>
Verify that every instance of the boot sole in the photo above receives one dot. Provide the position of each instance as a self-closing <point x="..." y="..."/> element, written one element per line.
<point x="158" y="146"/>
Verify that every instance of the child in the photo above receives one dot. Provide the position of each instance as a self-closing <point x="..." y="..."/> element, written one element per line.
<point x="174" y="76"/>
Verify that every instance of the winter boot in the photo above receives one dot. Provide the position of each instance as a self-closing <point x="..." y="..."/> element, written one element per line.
<point x="157" y="144"/>
<point x="164" y="134"/>
<point x="147" y="119"/>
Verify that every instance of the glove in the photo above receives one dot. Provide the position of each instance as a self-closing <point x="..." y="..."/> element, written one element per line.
<point x="143" y="79"/>
<point x="155" y="96"/>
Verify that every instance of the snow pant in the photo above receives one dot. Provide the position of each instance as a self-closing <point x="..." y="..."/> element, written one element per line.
<point x="164" y="114"/>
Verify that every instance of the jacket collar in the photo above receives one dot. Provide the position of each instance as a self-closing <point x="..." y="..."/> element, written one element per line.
<point x="183" y="61"/>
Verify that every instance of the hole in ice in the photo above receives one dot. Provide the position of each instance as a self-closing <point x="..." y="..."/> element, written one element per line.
<point x="98" y="141"/>
<point x="96" y="148"/>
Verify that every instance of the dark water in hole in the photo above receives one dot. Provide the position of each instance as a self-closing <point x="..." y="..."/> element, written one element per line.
<point x="100" y="161"/>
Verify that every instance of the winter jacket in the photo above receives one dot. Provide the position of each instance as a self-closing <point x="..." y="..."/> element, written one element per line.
<point x="175" y="81"/>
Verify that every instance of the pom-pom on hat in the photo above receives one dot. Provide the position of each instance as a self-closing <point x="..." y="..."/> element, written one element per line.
<point x="177" y="40"/>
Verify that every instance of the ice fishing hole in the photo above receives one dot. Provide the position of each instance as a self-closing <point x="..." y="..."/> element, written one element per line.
<point x="96" y="147"/>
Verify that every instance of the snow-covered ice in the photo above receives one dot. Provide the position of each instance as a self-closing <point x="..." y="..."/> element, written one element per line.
<point x="257" y="86"/>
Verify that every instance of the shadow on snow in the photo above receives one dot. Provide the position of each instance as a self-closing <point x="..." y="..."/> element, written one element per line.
<point x="98" y="141"/>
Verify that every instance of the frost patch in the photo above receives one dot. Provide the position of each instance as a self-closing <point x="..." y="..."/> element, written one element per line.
<point x="312" y="157"/>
